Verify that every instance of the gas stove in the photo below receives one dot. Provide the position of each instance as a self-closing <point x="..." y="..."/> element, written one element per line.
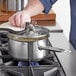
<point x="49" y="66"/>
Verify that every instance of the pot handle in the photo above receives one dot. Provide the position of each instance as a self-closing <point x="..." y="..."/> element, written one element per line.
<point x="53" y="49"/>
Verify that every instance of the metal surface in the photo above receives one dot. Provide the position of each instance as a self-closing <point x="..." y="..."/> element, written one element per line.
<point x="1" y="61"/>
<point x="28" y="71"/>
<point x="67" y="60"/>
<point x="10" y="71"/>
<point x="20" y="50"/>
<point x="51" y="72"/>
<point x="54" y="49"/>
<point x="43" y="71"/>
<point x="56" y="31"/>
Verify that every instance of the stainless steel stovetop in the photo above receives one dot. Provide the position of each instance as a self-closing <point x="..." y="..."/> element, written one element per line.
<point x="48" y="66"/>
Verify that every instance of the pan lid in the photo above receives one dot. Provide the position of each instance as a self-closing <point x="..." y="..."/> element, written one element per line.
<point x="30" y="33"/>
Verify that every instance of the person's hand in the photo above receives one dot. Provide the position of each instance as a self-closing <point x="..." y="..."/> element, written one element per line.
<point x="19" y="19"/>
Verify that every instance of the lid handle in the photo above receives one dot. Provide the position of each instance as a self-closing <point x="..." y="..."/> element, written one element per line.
<point x="29" y="27"/>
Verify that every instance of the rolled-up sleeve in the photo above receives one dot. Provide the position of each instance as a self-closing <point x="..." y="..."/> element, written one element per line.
<point x="47" y="5"/>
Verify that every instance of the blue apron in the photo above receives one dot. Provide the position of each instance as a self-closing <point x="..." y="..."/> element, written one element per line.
<point x="73" y="23"/>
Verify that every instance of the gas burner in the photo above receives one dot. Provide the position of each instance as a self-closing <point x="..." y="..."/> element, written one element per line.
<point x="30" y="71"/>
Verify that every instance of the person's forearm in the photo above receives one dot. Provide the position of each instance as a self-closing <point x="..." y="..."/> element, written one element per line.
<point x="34" y="7"/>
